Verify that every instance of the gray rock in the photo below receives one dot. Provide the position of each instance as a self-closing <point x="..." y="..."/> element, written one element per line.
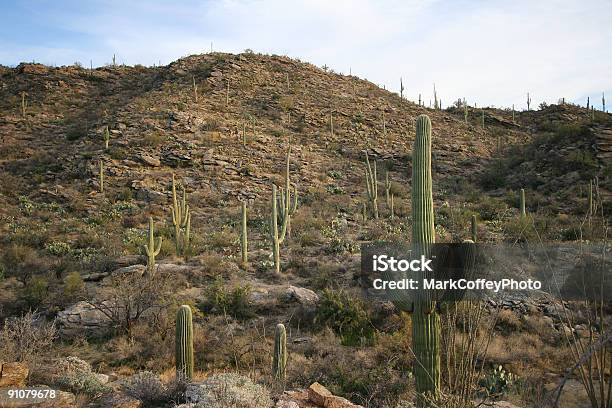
<point x="302" y="296"/>
<point x="82" y="318"/>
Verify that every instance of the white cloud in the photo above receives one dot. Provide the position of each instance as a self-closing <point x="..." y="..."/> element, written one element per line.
<point x="490" y="52"/>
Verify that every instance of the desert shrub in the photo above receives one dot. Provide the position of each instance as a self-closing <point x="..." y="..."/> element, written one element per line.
<point x="83" y="383"/>
<point x="26" y="338"/>
<point x="490" y="208"/>
<point x="507" y="321"/>
<point x="233" y="301"/>
<point x="346" y="316"/>
<point x="36" y="291"/>
<point x="73" y="285"/>
<point x="22" y="262"/>
<point x="228" y="390"/>
<point x="147" y="387"/>
<point x="222" y="240"/>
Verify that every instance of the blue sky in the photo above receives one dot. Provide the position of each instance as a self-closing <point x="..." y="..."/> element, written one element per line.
<point x="490" y="52"/>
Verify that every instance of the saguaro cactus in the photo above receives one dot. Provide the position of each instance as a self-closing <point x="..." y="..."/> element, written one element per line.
<point x="465" y="111"/>
<point x="243" y="236"/>
<point x="528" y="101"/>
<point x="184" y="343"/>
<point x="603" y="102"/>
<point x="590" y="209"/>
<point x="106" y="137"/>
<point x="425" y="320"/>
<point x="401" y="88"/>
<point x="364" y="212"/>
<point x="513" y="112"/>
<point x="227" y="93"/>
<point x="522" y="203"/>
<point x="101" y="176"/>
<point x="474" y="228"/>
<point x="181" y="219"/>
<point x="283" y="207"/>
<point x="195" y="89"/>
<point x="152" y="248"/>
<point x="391" y="206"/>
<point x="372" y="186"/>
<point x="24" y="104"/>
<point x="279" y="359"/>
<point x="588" y="103"/>
<point x="387" y="188"/>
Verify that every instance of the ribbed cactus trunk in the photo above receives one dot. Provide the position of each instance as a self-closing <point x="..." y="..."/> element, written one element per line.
<point x="274" y="232"/>
<point x="522" y="203"/>
<point x="590" y="209"/>
<point x="184" y="343"/>
<point x="243" y="236"/>
<point x="152" y="248"/>
<point x="279" y="359"/>
<point x="425" y="320"/>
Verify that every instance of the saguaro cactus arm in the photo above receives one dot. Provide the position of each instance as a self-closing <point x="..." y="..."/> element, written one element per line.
<point x="153" y="246"/>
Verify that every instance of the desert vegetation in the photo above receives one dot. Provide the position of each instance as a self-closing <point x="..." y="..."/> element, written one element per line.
<point x="189" y="235"/>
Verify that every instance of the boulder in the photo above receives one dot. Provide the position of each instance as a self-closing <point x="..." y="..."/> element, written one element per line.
<point x="303" y="296"/>
<point x="318" y="393"/>
<point x="82" y="318"/>
<point x="13" y="374"/>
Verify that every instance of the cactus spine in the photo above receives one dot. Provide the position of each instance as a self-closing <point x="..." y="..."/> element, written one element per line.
<point x="101" y="176"/>
<point x="243" y="236"/>
<point x="522" y="203"/>
<point x="184" y="343"/>
<point x="425" y="320"/>
<point x="181" y="219"/>
<point x="372" y="186"/>
<point x="106" y="137"/>
<point x="153" y="247"/>
<point x="474" y="228"/>
<point x="279" y="360"/>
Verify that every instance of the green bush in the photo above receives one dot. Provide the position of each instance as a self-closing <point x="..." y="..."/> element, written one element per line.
<point x="346" y="316"/>
<point x="233" y="301"/>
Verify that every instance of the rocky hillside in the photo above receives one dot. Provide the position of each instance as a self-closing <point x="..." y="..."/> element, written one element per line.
<point x="222" y="125"/>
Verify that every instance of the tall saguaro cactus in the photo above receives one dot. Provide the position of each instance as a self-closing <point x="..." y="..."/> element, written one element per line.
<point x="474" y="228"/>
<point x="528" y="101"/>
<point x="152" y="247"/>
<point x="372" y="186"/>
<point x="590" y="206"/>
<point x="181" y="219"/>
<point x="426" y="327"/>
<point x="101" y="176"/>
<point x="465" y="111"/>
<point x="283" y="207"/>
<point x="279" y="359"/>
<point x="522" y="203"/>
<point x="24" y="104"/>
<point x="184" y="343"/>
<point x="244" y="249"/>
<point x="106" y="137"/>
